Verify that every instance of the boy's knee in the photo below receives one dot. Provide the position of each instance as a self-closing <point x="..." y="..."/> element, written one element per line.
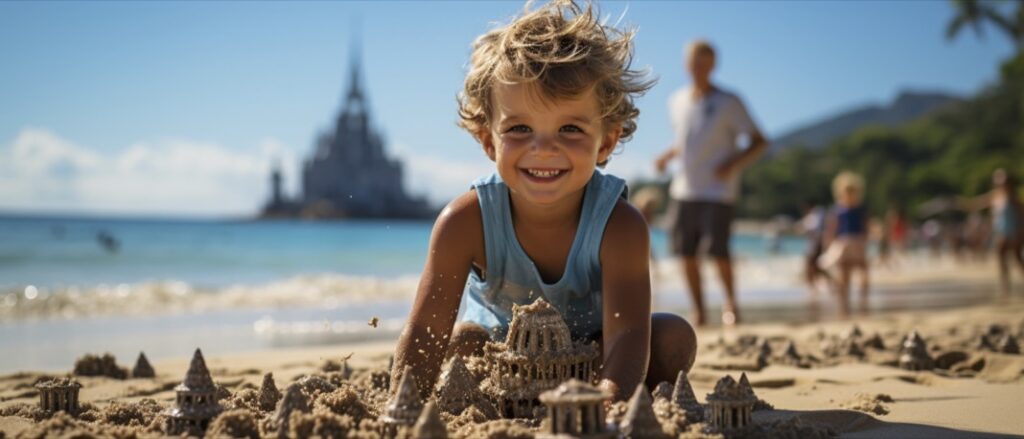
<point x="673" y="347"/>
<point x="468" y="339"/>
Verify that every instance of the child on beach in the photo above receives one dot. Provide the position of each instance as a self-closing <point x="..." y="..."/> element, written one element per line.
<point x="845" y="239"/>
<point x="1007" y="223"/>
<point x="548" y="97"/>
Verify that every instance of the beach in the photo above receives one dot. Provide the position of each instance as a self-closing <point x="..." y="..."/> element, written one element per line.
<point x="970" y="391"/>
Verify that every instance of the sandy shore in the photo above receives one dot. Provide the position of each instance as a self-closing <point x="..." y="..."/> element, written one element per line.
<point x="977" y="396"/>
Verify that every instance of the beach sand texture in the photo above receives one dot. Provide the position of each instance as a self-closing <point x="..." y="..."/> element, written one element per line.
<point x="827" y="387"/>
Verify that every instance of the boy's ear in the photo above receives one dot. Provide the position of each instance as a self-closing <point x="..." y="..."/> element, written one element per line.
<point x="608" y="143"/>
<point x="486" y="142"/>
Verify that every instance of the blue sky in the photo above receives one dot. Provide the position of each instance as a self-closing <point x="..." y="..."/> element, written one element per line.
<point x="180" y="107"/>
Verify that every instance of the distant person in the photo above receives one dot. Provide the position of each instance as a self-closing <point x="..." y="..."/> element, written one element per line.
<point x="549" y="97"/>
<point x="1007" y="224"/>
<point x="812" y="224"/>
<point x="845" y="239"/>
<point x="708" y="123"/>
<point x="107" y="241"/>
<point x="896" y="229"/>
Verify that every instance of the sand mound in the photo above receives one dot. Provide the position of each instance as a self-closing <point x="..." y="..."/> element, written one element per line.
<point x="866" y="403"/>
<point x="93" y="365"/>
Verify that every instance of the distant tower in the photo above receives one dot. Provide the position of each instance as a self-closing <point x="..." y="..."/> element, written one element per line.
<point x="275" y="184"/>
<point x="196" y="403"/>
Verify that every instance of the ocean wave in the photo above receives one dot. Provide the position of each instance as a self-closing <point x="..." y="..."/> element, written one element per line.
<point x="161" y="297"/>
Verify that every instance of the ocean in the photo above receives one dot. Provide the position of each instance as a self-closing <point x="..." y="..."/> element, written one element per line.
<point x="70" y="286"/>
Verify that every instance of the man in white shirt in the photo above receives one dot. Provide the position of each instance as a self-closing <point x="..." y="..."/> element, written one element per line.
<point x="709" y="123"/>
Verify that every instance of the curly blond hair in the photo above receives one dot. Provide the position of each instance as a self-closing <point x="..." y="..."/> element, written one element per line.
<point x="565" y="50"/>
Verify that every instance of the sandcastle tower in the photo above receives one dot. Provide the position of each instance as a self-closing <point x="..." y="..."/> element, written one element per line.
<point x="1009" y="345"/>
<point x="983" y="343"/>
<point x="914" y="355"/>
<point x="663" y="391"/>
<point x="683" y="397"/>
<point x="142" y="368"/>
<point x="429" y="425"/>
<point x="457" y="389"/>
<point x="269" y="395"/>
<point x="537" y="356"/>
<point x="730" y="404"/>
<point x="196" y="403"/>
<point x="60" y="394"/>
<point x="640" y="420"/>
<point x="404" y="408"/>
<point x="575" y="409"/>
<point x="294" y="400"/>
<point x="875" y="342"/>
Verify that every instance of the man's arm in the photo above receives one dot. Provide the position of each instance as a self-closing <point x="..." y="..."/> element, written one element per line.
<point x="661" y="163"/>
<point x="626" y="285"/>
<point x="456" y="237"/>
<point x="744" y="158"/>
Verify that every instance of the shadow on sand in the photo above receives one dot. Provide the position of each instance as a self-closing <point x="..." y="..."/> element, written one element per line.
<point x="853" y="424"/>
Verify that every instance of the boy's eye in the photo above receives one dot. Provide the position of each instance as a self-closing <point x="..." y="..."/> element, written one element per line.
<point x="518" y="129"/>
<point x="571" y="129"/>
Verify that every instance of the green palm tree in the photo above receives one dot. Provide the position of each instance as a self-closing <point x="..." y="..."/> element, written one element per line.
<point x="975" y="13"/>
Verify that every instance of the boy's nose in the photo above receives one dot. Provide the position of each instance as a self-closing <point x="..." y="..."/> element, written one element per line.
<point x="544" y="145"/>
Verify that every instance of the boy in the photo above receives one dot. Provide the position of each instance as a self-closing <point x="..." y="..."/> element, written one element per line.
<point x="845" y="238"/>
<point x="548" y="97"/>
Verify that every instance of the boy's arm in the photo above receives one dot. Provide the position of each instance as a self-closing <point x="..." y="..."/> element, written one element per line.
<point x="626" y="284"/>
<point x="454" y="245"/>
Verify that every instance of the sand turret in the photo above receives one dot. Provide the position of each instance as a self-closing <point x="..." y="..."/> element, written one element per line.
<point x="875" y="342"/>
<point x="1009" y="345"/>
<point x="142" y="368"/>
<point x="429" y="425"/>
<point x="730" y="405"/>
<point x="403" y="409"/>
<point x="269" y="395"/>
<point x="294" y="400"/>
<point x="914" y="354"/>
<point x="196" y="402"/>
<point x="683" y="397"/>
<point x="982" y="343"/>
<point x="60" y="394"/>
<point x="456" y="388"/>
<point x="575" y="409"/>
<point x="537" y="355"/>
<point x="640" y="420"/>
<point x="663" y="391"/>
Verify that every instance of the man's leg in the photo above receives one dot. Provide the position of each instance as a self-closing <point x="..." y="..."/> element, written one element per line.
<point x="673" y="348"/>
<point x="720" y="225"/>
<point x="691" y="268"/>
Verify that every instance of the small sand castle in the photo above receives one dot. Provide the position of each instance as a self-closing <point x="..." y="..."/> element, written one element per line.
<point x="60" y="394"/>
<point x="269" y="395"/>
<point x="537" y="355"/>
<point x="1009" y="345"/>
<point x="729" y="406"/>
<point x="663" y="391"/>
<point x="914" y="355"/>
<point x="294" y="400"/>
<point x="875" y="342"/>
<point x="640" y="420"/>
<point x="984" y="344"/>
<point x="683" y="397"/>
<point x="457" y="389"/>
<point x="142" y="368"/>
<point x="404" y="408"/>
<point x="196" y="403"/>
<point x="429" y="425"/>
<point x="575" y="409"/>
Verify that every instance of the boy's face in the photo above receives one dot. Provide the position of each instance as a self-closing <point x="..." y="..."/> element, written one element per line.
<point x="546" y="150"/>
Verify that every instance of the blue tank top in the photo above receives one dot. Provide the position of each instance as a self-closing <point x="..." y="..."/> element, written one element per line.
<point x="849" y="221"/>
<point x="513" y="279"/>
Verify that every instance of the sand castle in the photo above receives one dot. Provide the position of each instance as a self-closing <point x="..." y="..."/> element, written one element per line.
<point x="457" y="390"/>
<point x="294" y="400"/>
<point x="142" y="368"/>
<point x="640" y="420"/>
<point x="875" y="342"/>
<point x="60" y="394"/>
<point x="429" y="425"/>
<point x="269" y="395"/>
<point x="683" y="397"/>
<point x="1009" y="345"/>
<point x="196" y="403"/>
<point x="914" y="355"/>
<point x="729" y="406"/>
<point x="537" y="355"/>
<point x="403" y="409"/>
<point x="575" y="409"/>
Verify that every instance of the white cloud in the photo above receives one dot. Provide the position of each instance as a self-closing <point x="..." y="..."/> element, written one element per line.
<point x="40" y="171"/>
<point x="439" y="179"/>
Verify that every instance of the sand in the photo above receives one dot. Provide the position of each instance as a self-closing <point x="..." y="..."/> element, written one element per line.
<point x="836" y="383"/>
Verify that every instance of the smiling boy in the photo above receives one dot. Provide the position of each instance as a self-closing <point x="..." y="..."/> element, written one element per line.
<point x="548" y="97"/>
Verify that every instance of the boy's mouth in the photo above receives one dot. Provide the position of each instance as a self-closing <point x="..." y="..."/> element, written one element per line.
<point x="543" y="175"/>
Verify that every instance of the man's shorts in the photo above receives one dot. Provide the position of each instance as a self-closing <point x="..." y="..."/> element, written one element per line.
<point x="692" y="221"/>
